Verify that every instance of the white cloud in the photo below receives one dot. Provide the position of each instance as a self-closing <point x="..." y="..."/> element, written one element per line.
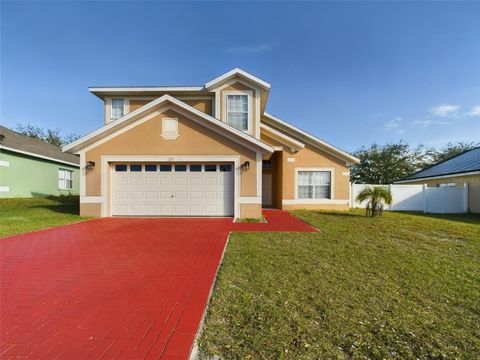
<point x="425" y="123"/>
<point x="251" y="48"/>
<point x="444" y="110"/>
<point x="393" y="124"/>
<point x="475" y="111"/>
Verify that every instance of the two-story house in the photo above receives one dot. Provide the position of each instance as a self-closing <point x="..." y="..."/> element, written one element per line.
<point x="209" y="150"/>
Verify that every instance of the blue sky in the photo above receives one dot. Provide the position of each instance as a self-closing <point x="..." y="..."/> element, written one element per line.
<point x="351" y="73"/>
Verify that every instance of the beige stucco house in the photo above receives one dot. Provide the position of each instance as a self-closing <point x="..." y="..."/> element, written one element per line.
<point x="209" y="150"/>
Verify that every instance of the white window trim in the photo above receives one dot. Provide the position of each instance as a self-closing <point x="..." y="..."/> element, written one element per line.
<point x="249" y="94"/>
<point x="170" y="135"/>
<point x="73" y="177"/>
<point x="126" y="108"/>
<point x="332" y="183"/>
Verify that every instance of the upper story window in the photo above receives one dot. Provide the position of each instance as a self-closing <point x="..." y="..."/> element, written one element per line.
<point x="237" y="111"/>
<point x="118" y="109"/>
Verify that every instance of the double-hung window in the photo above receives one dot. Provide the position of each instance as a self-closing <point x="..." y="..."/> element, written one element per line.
<point x="237" y="111"/>
<point x="314" y="184"/>
<point x="65" y="179"/>
<point x="117" y="110"/>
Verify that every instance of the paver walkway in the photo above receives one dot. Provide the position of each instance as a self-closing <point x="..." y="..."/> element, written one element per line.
<point x="127" y="288"/>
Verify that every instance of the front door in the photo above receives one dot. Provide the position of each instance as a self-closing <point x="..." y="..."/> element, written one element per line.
<point x="267" y="190"/>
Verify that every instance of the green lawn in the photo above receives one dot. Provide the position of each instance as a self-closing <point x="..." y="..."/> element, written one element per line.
<point x="23" y="215"/>
<point x="402" y="286"/>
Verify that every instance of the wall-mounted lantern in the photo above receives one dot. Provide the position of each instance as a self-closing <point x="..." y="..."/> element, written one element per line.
<point x="90" y="165"/>
<point x="246" y="165"/>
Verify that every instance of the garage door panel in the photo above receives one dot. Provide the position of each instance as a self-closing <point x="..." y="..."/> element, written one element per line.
<point x="166" y="181"/>
<point x="172" y="193"/>
<point x="151" y="181"/>
<point x="151" y="195"/>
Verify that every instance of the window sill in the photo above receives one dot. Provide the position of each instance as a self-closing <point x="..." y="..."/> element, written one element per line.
<point x="313" y="201"/>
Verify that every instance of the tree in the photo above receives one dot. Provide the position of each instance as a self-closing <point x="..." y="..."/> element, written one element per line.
<point x="451" y="150"/>
<point x="53" y="137"/>
<point x="376" y="196"/>
<point x="384" y="164"/>
<point x="49" y="136"/>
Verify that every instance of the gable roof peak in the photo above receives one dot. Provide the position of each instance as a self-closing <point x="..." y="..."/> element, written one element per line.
<point x="240" y="73"/>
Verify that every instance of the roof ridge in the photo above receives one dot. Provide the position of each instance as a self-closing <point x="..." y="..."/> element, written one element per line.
<point x="438" y="163"/>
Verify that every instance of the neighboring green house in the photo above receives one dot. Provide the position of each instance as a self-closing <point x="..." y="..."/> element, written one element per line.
<point x="32" y="168"/>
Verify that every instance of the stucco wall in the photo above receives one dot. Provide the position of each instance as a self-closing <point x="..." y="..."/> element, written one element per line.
<point x="203" y="103"/>
<point x="254" y="110"/>
<point x="28" y="176"/>
<point x="194" y="139"/>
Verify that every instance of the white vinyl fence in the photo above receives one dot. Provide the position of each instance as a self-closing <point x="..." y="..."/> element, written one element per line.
<point x="420" y="198"/>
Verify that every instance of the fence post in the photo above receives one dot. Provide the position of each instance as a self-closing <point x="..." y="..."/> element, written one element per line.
<point x="350" y="193"/>
<point x="390" y="207"/>
<point x="424" y="192"/>
<point x="465" y="197"/>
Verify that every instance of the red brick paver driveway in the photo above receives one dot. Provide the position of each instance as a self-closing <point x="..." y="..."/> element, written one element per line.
<point x="129" y="288"/>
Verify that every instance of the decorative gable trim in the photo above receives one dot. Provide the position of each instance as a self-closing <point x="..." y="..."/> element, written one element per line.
<point x="236" y="73"/>
<point x="312" y="140"/>
<point x="170" y="128"/>
<point x="135" y="116"/>
<point x="282" y="138"/>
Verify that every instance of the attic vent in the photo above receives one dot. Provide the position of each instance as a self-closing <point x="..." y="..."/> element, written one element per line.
<point x="170" y="128"/>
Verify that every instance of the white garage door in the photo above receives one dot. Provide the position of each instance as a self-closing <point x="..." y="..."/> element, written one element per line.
<point x="172" y="189"/>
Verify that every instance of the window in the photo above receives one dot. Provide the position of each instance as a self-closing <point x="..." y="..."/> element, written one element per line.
<point x="135" y="168"/>
<point x="226" y="168"/>
<point x="266" y="164"/>
<point x="314" y="184"/>
<point x="150" y="167"/>
<point x="117" y="109"/>
<point x="180" y="167"/>
<point x="446" y="185"/>
<point x="210" y="168"/>
<point x="65" y="179"/>
<point x="195" y="168"/>
<point x="120" y="167"/>
<point x="237" y="111"/>
<point x="165" y="167"/>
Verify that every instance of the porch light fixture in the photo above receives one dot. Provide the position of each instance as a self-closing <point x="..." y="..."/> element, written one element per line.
<point x="246" y="165"/>
<point x="90" y="165"/>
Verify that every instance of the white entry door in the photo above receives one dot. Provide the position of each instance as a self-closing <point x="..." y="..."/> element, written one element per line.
<point x="165" y="189"/>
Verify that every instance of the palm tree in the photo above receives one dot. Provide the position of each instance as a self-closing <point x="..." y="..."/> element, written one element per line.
<point x="376" y="196"/>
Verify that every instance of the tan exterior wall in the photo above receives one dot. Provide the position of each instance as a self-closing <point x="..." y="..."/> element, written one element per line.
<point x="93" y="210"/>
<point x="311" y="157"/>
<point x="250" y="211"/>
<point x="202" y="104"/>
<point x="240" y="86"/>
<point x="335" y="207"/>
<point x="194" y="139"/>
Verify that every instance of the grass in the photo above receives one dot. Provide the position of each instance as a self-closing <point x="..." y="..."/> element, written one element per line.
<point x="21" y="215"/>
<point x="251" y="220"/>
<point x="402" y="286"/>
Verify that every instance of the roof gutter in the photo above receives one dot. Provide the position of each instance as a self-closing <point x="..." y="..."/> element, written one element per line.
<point x="467" y="173"/>
<point x="38" y="156"/>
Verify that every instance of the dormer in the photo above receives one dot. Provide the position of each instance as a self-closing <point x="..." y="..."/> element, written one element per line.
<point x="240" y="100"/>
<point x="236" y="98"/>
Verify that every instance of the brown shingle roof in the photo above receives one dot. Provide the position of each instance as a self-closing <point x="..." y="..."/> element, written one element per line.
<point x="14" y="140"/>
